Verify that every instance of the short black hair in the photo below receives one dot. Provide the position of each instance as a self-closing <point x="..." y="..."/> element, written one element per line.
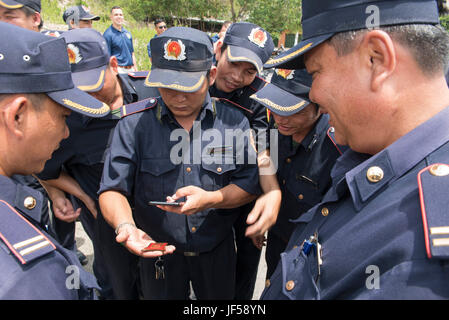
<point x="115" y="7"/>
<point x="157" y="21"/>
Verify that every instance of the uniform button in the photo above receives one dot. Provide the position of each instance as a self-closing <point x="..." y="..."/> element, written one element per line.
<point x="290" y="285"/>
<point x="288" y="160"/>
<point x="374" y="174"/>
<point x="300" y="197"/>
<point x="283" y="181"/>
<point x="29" y="203"/>
<point x="325" y="212"/>
<point x="193" y="229"/>
<point x="332" y="129"/>
<point x="267" y="283"/>
<point x="439" y="170"/>
<point x="189" y="169"/>
<point x="219" y="169"/>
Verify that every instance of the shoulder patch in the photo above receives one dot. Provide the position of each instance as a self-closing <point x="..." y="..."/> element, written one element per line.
<point x="25" y="241"/>
<point x="331" y="135"/>
<point x="433" y="183"/>
<point x="138" y="106"/>
<point x="231" y="103"/>
<point x="138" y="74"/>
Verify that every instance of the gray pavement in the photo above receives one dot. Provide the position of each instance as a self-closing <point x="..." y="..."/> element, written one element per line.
<point x="85" y="245"/>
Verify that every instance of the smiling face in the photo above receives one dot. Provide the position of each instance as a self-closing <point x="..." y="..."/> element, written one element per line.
<point x="298" y="124"/>
<point x="117" y="17"/>
<point x="341" y="88"/>
<point x="233" y="75"/>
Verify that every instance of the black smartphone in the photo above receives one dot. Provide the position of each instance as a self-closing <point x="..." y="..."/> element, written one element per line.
<point x="161" y="203"/>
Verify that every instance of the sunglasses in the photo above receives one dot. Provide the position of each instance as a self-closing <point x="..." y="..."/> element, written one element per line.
<point x="162" y="27"/>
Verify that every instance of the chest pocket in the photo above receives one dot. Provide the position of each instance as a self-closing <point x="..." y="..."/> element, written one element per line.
<point x="298" y="275"/>
<point x="95" y="158"/>
<point x="215" y="176"/>
<point x="158" y="178"/>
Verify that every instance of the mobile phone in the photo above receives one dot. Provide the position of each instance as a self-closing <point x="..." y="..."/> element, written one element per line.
<point x="162" y="203"/>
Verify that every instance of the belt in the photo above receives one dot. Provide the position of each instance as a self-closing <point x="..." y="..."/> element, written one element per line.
<point x="191" y="254"/>
<point x="126" y="67"/>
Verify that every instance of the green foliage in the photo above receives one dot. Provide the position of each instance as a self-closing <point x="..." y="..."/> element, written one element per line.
<point x="444" y="20"/>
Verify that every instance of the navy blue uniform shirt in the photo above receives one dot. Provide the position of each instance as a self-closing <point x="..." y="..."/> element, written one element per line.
<point x="371" y="233"/>
<point x="120" y="44"/>
<point x="140" y="165"/>
<point x="254" y="111"/>
<point x="33" y="265"/>
<point x="303" y="174"/>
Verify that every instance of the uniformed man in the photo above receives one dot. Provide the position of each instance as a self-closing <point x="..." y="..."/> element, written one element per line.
<point x="77" y="17"/>
<point x="23" y="13"/>
<point x="240" y="58"/>
<point x="180" y="148"/>
<point x="82" y="156"/>
<point x="381" y="232"/>
<point x="36" y="96"/>
<point x="306" y="153"/>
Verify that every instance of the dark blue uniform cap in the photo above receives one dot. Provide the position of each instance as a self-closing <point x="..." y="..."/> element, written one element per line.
<point x="17" y="4"/>
<point x="248" y="42"/>
<point x="323" y="19"/>
<point x="88" y="57"/>
<point x="31" y="62"/>
<point x="80" y="13"/>
<point x="288" y="92"/>
<point x="181" y="58"/>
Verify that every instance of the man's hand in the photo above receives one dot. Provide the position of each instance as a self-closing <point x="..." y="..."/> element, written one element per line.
<point x="135" y="240"/>
<point x="197" y="200"/>
<point x="263" y="216"/>
<point x="63" y="209"/>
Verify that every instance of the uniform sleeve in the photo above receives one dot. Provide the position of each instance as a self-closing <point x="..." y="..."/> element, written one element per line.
<point x="246" y="175"/>
<point x="149" y="49"/>
<point x="121" y="159"/>
<point x="259" y="123"/>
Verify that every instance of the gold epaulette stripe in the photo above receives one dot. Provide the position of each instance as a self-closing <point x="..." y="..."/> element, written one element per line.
<point x="278" y="107"/>
<point x="34" y="248"/>
<point x="103" y="110"/>
<point x="274" y="60"/>
<point x="28" y="242"/>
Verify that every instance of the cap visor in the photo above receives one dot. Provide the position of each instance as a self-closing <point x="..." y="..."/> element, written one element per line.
<point x="294" y="57"/>
<point x="90" y="17"/>
<point x="175" y="80"/>
<point x="279" y="101"/>
<point x="80" y="102"/>
<point x="9" y="4"/>
<point x="90" y="80"/>
<point x="239" y="54"/>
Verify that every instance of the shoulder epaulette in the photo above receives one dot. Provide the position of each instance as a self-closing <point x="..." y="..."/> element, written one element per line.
<point x="229" y="102"/>
<point x="24" y="240"/>
<point x="331" y="135"/>
<point x="138" y="74"/>
<point x="433" y="183"/>
<point x="138" y="106"/>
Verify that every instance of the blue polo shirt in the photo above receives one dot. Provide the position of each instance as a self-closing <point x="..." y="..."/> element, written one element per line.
<point x="120" y="44"/>
<point x="139" y="164"/>
<point x="372" y="230"/>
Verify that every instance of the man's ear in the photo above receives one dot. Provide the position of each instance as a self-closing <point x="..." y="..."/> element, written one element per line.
<point x="14" y="114"/>
<point x="212" y="75"/>
<point x="37" y="20"/>
<point x="217" y="49"/>
<point x="113" y="64"/>
<point x="380" y="55"/>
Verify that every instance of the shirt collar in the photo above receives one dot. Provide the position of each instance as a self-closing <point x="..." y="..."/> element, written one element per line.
<point x="395" y="160"/>
<point x="18" y="195"/>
